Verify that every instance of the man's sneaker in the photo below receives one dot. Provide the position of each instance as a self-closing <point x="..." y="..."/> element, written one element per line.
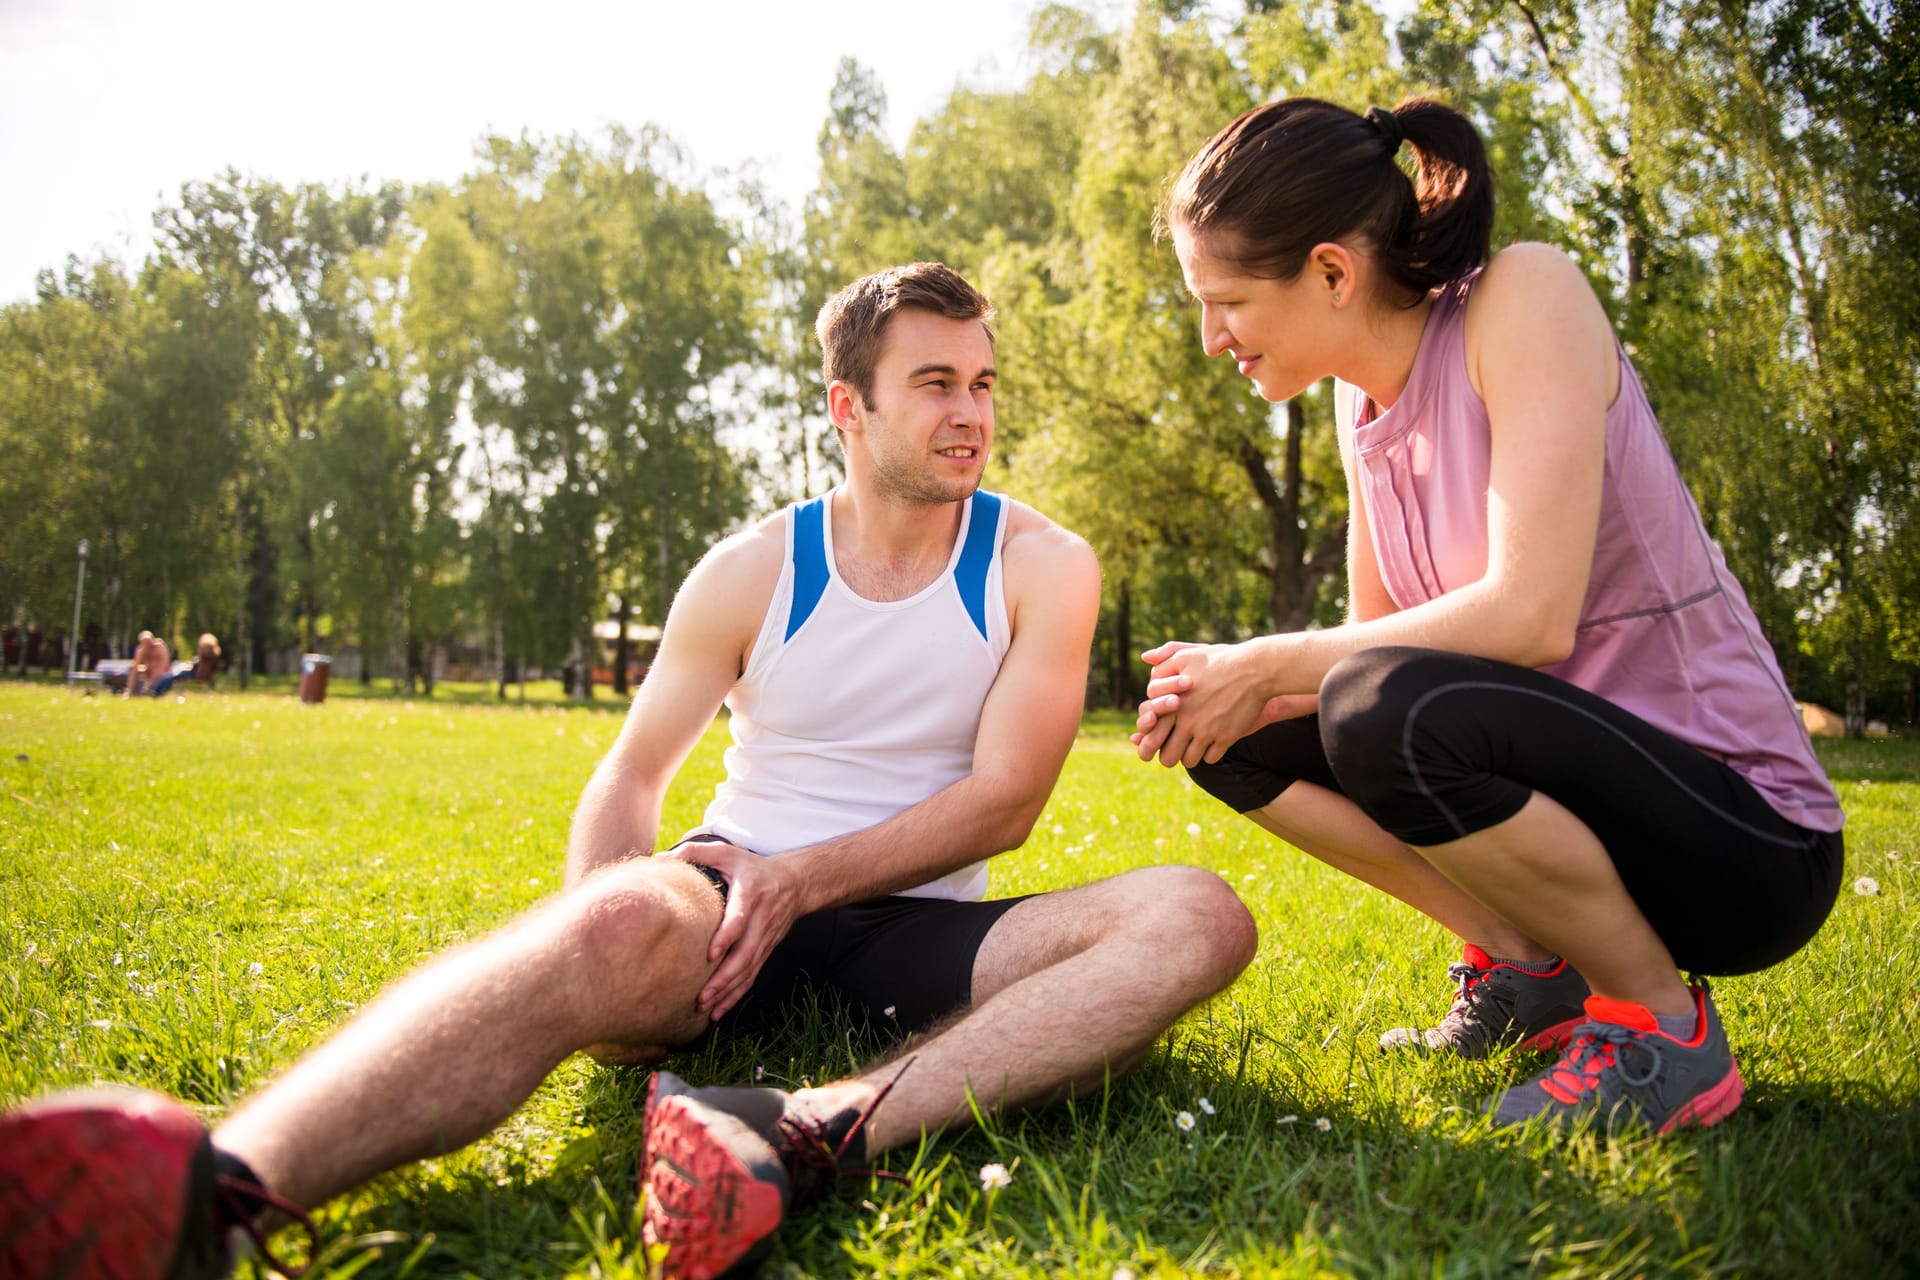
<point x="1622" y="1070"/>
<point x="1500" y="1004"/>
<point x="119" y="1184"/>
<point x="723" y="1166"/>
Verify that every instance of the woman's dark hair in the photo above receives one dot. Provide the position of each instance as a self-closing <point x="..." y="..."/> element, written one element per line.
<point x="1295" y="173"/>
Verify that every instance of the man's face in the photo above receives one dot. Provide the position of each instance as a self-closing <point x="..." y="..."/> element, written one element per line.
<point x="930" y="425"/>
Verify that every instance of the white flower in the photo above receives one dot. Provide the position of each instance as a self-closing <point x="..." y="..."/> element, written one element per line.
<point x="1185" y="1121"/>
<point x="1289" y="1120"/>
<point x="1206" y="1106"/>
<point x="256" y="968"/>
<point x="889" y="1010"/>
<point x="994" y="1177"/>
<point x="101" y="1024"/>
<point x="1123" y="1273"/>
<point x="1866" y="886"/>
<point x="759" y="1073"/>
<point x="1193" y="828"/>
<point x="1323" y="1124"/>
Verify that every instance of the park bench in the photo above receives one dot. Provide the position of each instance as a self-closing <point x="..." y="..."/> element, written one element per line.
<point x="112" y="672"/>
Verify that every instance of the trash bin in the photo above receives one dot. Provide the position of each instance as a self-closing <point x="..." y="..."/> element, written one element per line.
<point x="313" y="676"/>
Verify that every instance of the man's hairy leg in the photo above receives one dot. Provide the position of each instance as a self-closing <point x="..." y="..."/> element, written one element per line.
<point x="1068" y="988"/>
<point x="438" y="1060"/>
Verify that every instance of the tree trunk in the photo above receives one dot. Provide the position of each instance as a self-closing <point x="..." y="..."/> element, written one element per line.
<point x="622" y="647"/>
<point x="1856" y="714"/>
<point x="1122" y="685"/>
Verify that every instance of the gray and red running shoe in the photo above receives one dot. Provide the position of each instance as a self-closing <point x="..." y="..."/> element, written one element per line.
<point x="1621" y="1071"/>
<point x="119" y="1184"/>
<point x="723" y="1166"/>
<point x="1498" y="1004"/>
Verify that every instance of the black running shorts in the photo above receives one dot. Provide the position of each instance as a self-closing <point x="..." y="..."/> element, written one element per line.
<point x="898" y="963"/>
<point x="1435" y="746"/>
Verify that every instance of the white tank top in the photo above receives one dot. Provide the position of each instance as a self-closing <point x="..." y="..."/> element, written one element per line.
<point x="851" y="710"/>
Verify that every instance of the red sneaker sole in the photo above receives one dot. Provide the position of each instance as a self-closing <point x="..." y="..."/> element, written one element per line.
<point x="701" y="1202"/>
<point x="96" y="1185"/>
<point x="1711" y="1107"/>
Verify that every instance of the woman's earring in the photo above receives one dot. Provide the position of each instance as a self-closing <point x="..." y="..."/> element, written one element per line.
<point x="1336" y="297"/>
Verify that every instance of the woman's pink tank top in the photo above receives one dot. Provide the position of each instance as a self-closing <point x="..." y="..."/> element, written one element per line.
<point x="1665" y="630"/>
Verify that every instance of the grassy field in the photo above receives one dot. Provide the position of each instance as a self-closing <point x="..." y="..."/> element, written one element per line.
<point x="193" y="891"/>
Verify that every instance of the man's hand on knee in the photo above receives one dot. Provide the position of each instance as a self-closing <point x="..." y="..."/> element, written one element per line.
<point x="763" y="901"/>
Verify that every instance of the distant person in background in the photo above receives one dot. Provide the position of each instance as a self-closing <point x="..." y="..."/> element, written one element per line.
<point x="152" y="670"/>
<point x="206" y="659"/>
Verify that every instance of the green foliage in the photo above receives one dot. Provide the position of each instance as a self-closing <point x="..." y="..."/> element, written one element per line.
<point x="497" y="411"/>
<point x="152" y="853"/>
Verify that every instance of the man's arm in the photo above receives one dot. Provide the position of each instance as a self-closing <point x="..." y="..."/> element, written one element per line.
<point x="1027" y="725"/>
<point x="702" y="650"/>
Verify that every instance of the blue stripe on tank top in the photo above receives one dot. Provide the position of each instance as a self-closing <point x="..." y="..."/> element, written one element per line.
<point x="809" y="562"/>
<point x="977" y="556"/>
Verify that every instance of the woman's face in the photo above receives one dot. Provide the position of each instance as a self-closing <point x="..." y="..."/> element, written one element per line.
<point x="1277" y="331"/>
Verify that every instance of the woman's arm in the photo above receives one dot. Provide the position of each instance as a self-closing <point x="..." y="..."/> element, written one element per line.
<point x="1540" y="353"/>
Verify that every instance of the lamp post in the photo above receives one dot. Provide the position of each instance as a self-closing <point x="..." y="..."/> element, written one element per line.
<point x="73" y="637"/>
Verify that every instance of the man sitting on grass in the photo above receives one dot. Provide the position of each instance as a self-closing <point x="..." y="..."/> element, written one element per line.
<point x="904" y="661"/>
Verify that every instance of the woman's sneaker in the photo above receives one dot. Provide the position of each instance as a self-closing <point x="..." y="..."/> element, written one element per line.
<point x="1621" y="1070"/>
<point x="1497" y="1004"/>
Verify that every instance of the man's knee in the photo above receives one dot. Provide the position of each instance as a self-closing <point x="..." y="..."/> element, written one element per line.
<point x="1199" y="919"/>
<point x="659" y="913"/>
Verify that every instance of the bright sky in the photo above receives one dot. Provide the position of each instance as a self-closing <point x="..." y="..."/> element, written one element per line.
<point x="108" y="106"/>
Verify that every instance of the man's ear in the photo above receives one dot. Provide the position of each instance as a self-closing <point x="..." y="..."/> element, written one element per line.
<point x="843" y="405"/>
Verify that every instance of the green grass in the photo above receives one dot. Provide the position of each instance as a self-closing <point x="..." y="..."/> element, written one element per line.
<point x="153" y="853"/>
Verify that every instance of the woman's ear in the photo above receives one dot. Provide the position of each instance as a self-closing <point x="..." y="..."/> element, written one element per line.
<point x="1336" y="269"/>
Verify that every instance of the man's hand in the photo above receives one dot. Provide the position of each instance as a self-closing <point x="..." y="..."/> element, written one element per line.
<point x="763" y="901"/>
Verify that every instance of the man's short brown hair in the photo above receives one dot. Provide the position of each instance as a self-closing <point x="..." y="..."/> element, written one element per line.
<point x="853" y="322"/>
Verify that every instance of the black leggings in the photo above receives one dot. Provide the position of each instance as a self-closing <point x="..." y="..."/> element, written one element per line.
<point x="1435" y="746"/>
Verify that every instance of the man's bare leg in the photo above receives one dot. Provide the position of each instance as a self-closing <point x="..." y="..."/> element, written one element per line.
<point x="1068" y="988"/>
<point x="612" y="964"/>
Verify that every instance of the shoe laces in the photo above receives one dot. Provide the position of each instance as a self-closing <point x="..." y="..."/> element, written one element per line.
<point x="1468" y="994"/>
<point x="1464" y="976"/>
<point x="241" y="1199"/>
<point x="813" y="1159"/>
<point x="1594" y="1050"/>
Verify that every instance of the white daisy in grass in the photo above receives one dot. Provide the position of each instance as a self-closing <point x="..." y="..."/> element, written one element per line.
<point x="1185" y="1121"/>
<point x="1323" y="1124"/>
<point x="995" y="1177"/>
<point x="256" y="968"/>
<point x="1193" y="828"/>
<point x="1289" y="1120"/>
<point x="1206" y="1107"/>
